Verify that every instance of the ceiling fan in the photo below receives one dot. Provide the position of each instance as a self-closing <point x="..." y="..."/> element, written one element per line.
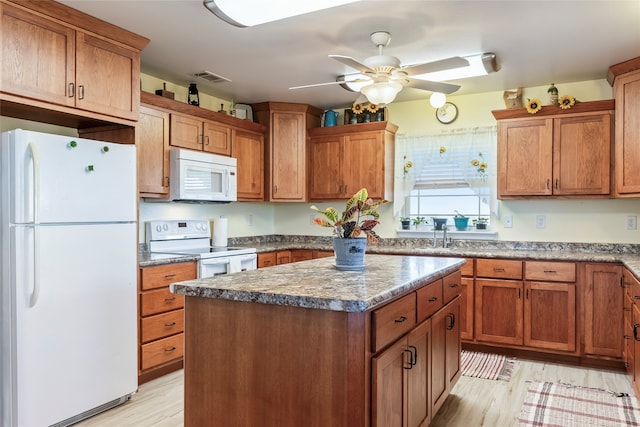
<point x="381" y="77"/>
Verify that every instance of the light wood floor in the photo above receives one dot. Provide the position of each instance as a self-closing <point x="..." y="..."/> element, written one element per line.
<point x="473" y="402"/>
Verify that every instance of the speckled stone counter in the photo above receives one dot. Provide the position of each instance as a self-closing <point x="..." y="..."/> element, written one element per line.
<point x="318" y="284"/>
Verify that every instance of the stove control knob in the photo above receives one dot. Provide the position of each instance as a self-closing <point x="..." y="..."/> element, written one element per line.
<point x="165" y="227"/>
<point x="158" y="228"/>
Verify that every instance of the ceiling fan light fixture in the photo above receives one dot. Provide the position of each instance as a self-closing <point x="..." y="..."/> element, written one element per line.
<point x="381" y="92"/>
<point x="256" y="12"/>
<point x="479" y="65"/>
<point x="437" y="99"/>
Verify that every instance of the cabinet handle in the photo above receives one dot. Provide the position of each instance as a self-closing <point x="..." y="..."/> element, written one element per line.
<point x="548" y="183"/>
<point x="81" y="91"/>
<point x="635" y="331"/>
<point x="499" y="269"/>
<point x="556" y="183"/>
<point x="170" y="299"/>
<point x="72" y="90"/>
<point x="452" y="321"/>
<point x="414" y="355"/>
<point x="410" y="360"/>
<point x="454" y="285"/>
<point x="518" y="293"/>
<point x="550" y="272"/>
<point x="433" y="299"/>
<point x="169" y="350"/>
<point x="526" y="295"/>
<point x="170" y="324"/>
<point x="205" y="137"/>
<point x="636" y="297"/>
<point x="275" y="189"/>
<point x="169" y="276"/>
<point x="402" y="319"/>
<point x="623" y="283"/>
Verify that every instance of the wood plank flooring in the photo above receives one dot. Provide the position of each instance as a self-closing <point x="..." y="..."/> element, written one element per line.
<point x="473" y="402"/>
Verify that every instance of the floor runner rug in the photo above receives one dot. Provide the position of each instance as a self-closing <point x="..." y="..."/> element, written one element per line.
<point x="486" y="366"/>
<point x="562" y="405"/>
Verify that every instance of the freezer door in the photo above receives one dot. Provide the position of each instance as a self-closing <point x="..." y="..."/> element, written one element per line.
<point x="75" y="319"/>
<point x="62" y="179"/>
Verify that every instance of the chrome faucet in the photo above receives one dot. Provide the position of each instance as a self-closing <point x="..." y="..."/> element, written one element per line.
<point x="435" y="241"/>
<point x="444" y="237"/>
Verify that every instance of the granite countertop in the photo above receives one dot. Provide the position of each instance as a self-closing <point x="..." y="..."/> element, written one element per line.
<point x="318" y="284"/>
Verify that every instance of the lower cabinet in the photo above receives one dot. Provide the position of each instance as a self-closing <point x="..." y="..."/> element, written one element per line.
<point x="161" y="319"/>
<point x="268" y="259"/>
<point x="412" y="377"/>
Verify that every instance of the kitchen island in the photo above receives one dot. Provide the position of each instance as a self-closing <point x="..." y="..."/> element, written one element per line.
<point x="307" y="344"/>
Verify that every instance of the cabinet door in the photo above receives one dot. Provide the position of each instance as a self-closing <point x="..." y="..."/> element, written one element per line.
<point x="603" y="305"/>
<point x="636" y="347"/>
<point x="283" y="257"/>
<point x="216" y="138"/>
<point x="582" y="155"/>
<point x="248" y="149"/>
<point x="153" y="152"/>
<point x="453" y="344"/>
<point x="388" y="385"/>
<point x="107" y="77"/>
<point x="466" y="309"/>
<point x="498" y="311"/>
<point x="445" y="352"/>
<point x="419" y="376"/>
<point x="525" y="149"/>
<point x="288" y="156"/>
<point x="550" y="315"/>
<point x="38" y="57"/>
<point x="364" y="164"/>
<point x="186" y="132"/>
<point x="326" y="163"/>
<point x="267" y="259"/>
<point x="627" y="134"/>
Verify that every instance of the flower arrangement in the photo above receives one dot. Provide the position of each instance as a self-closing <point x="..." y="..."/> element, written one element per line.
<point x="408" y="164"/>
<point x="480" y="165"/>
<point x="566" y="101"/>
<point x="359" y="216"/>
<point x="533" y="105"/>
<point x="373" y="108"/>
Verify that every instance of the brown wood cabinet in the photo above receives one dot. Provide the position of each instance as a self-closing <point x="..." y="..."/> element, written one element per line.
<point x="555" y="152"/>
<point x="625" y="78"/>
<point x="353" y="156"/>
<point x="286" y="147"/>
<point x="268" y="259"/>
<point x="466" y="299"/>
<point x="69" y="60"/>
<point x="631" y="285"/>
<point x="445" y="353"/>
<point x="603" y="315"/>
<point x="161" y="319"/>
<point x="153" y="152"/>
<point x="166" y="123"/>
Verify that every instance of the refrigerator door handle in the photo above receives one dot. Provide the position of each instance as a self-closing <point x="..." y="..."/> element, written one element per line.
<point x="33" y="299"/>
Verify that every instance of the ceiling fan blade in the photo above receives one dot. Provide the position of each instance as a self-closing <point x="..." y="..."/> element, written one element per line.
<point x="361" y="99"/>
<point x="431" y="67"/>
<point x="445" y="88"/>
<point x="330" y="83"/>
<point x="350" y="62"/>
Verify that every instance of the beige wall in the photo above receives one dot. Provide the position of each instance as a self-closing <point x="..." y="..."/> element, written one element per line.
<point x="602" y="221"/>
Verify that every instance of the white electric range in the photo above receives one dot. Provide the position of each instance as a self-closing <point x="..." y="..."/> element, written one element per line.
<point x="193" y="237"/>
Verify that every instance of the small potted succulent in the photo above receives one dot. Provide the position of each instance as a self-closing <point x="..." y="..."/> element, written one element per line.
<point x="359" y="216"/>
<point x="480" y="223"/>
<point x="406" y="222"/>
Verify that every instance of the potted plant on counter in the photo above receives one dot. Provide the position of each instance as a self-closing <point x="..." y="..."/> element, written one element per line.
<point x="480" y="223"/>
<point x="359" y="216"/>
<point x="461" y="222"/>
<point x="406" y="222"/>
<point x="419" y="220"/>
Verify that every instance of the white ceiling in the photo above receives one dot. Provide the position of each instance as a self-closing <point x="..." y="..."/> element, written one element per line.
<point x="536" y="43"/>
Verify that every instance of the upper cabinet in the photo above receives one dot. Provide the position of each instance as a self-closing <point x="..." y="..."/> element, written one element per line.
<point x="69" y="63"/>
<point x="166" y="123"/>
<point x="286" y="148"/>
<point x="555" y="152"/>
<point x="344" y="159"/>
<point x="625" y="78"/>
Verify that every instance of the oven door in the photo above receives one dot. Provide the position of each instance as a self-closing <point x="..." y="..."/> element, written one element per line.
<point x="243" y="263"/>
<point x="210" y="267"/>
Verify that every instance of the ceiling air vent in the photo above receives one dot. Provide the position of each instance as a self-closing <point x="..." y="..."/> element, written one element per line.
<point x="210" y="77"/>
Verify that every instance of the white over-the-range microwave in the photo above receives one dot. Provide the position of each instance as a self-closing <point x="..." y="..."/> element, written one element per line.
<point x="202" y="177"/>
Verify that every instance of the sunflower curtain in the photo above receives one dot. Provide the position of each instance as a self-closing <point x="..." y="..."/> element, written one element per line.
<point x="464" y="157"/>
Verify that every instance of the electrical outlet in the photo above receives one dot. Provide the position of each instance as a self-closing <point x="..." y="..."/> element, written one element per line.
<point x="541" y="221"/>
<point x="632" y="222"/>
<point x="250" y="220"/>
<point x="508" y="221"/>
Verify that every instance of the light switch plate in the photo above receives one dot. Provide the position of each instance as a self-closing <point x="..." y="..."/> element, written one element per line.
<point x="508" y="221"/>
<point x="632" y="222"/>
<point x="541" y="221"/>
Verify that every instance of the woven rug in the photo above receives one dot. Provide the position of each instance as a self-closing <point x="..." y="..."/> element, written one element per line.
<point x="563" y="405"/>
<point x="486" y="366"/>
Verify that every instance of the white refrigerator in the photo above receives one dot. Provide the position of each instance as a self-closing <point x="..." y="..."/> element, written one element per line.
<point x="69" y="271"/>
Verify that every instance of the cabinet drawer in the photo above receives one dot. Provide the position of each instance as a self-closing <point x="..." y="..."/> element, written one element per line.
<point x="451" y="286"/>
<point x="161" y="325"/>
<point x="499" y="268"/>
<point x="161" y="351"/>
<point x="267" y="259"/>
<point x="430" y="299"/>
<point x="550" y="271"/>
<point x="393" y="320"/>
<point x="468" y="268"/>
<point x="159" y="301"/>
<point x="161" y="276"/>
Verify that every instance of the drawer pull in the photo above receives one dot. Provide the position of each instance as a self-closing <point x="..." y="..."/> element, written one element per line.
<point x="636" y="297"/>
<point x="452" y="321"/>
<point x="550" y="272"/>
<point x="635" y="331"/>
<point x="454" y="285"/>
<point x="169" y="350"/>
<point x="169" y="276"/>
<point x="402" y="319"/>
<point x="170" y="324"/>
<point x="500" y="269"/>
<point x="170" y="299"/>
<point x="414" y="355"/>
<point x="433" y="299"/>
